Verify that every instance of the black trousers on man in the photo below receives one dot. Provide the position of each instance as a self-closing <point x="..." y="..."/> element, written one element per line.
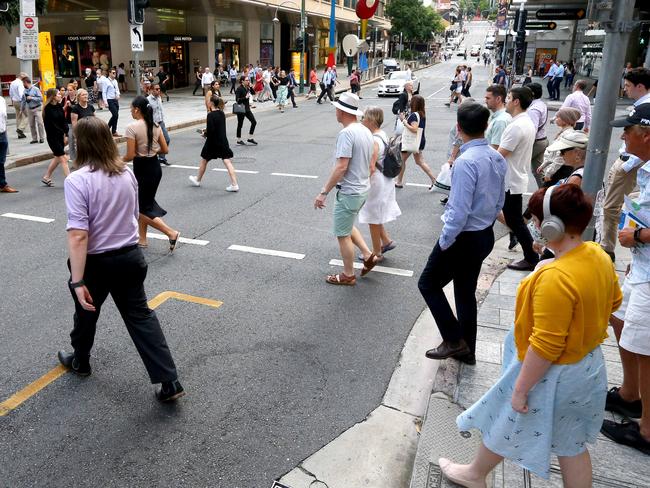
<point x="292" y="96"/>
<point x="240" y="122"/>
<point x="460" y="263"/>
<point x="114" y="108"/>
<point x="512" y="212"/>
<point x="121" y="274"/>
<point x="324" y="92"/>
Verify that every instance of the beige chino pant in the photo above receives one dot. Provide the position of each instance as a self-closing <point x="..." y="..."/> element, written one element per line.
<point x="619" y="184"/>
<point x="21" y="118"/>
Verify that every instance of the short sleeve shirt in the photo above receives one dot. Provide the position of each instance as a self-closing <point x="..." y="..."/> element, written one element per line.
<point x="497" y="123"/>
<point x="355" y="142"/>
<point x="83" y="112"/>
<point x="518" y="138"/>
<point x="138" y="130"/>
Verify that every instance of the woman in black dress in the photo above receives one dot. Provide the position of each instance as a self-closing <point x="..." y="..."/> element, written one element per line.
<point x="56" y="129"/>
<point x="216" y="145"/>
<point x="144" y="141"/>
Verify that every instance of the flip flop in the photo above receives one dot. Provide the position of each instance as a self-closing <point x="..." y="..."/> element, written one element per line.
<point x="369" y="263"/>
<point x="173" y="242"/>
<point x="388" y="247"/>
<point x="341" y="279"/>
<point x="47" y="181"/>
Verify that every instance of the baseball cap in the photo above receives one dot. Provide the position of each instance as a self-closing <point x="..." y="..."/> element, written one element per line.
<point x="640" y="115"/>
<point x="570" y="139"/>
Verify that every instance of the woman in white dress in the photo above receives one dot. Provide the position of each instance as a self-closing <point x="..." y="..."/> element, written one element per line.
<point x="381" y="206"/>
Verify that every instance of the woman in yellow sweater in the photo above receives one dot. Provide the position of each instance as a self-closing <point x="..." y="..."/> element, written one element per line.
<point x="551" y="394"/>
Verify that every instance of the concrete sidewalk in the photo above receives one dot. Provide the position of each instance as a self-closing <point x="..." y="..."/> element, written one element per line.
<point x="458" y="386"/>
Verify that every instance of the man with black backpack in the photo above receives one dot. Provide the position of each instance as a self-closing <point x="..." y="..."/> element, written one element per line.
<point x="467" y="237"/>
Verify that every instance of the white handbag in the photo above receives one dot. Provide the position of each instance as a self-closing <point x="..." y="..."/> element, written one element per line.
<point x="443" y="181"/>
<point x="411" y="140"/>
<point x="399" y="127"/>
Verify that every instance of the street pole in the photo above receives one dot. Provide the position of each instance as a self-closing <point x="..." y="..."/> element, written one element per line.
<point x="301" y="90"/>
<point x="618" y="34"/>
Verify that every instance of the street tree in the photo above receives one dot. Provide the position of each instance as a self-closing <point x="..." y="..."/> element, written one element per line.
<point x="413" y="20"/>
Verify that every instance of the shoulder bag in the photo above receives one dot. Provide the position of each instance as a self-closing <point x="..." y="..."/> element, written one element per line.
<point x="411" y="140"/>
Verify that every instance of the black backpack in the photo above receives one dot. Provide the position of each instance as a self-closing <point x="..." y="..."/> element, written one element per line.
<point x="396" y="107"/>
<point x="392" y="157"/>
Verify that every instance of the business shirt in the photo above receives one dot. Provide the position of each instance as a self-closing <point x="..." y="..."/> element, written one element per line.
<point x="3" y="115"/>
<point x="327" y="78"/>
<point x="477" y="191"/>
<point x="560" y="72"/>
<point x="156" y="106"/>
<point x="207" y="78"/>
<point x="110" y="90"/>
<point x="551" y="72"/>
<point x="580" y="102"/>
<point x="538" y="113"/>
<point x="640" y="268"/>
<point x="16" y="90"/>
<point x="633" y="161"/>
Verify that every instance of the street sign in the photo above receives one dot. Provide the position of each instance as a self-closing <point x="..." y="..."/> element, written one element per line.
<point x="29" y="38"/>
<point x="137" y="38"/>
<point x="541" y="26"/>
<point x="561" y="14"/>
<point x="28" y="8"/>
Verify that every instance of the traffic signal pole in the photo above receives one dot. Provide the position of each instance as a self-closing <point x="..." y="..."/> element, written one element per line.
<point x="302" y="47"/>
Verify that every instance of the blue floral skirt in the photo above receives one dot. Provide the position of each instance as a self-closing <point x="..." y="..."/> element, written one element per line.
<point x="565" y="411"/>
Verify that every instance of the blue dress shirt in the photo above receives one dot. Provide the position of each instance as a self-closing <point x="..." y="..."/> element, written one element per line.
<point x="478" y="186"/>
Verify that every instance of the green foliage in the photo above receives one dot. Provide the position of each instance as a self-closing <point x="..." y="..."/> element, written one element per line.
<point x="415" y="21"/>
<point x="11" y="18"/>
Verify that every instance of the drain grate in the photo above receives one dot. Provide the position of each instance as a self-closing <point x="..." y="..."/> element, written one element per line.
<point x="434" y="476"/>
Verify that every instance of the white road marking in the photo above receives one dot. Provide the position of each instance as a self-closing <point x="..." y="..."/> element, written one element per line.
<point x="266" y="252"/>
<point x="294" y="175"/>
<point x="181" y="166"/>
<point x="436" y="92"/>
<point x="27" y="217"/>
<point x="380" y="269"/>
<point x="247" y="171"/>
<point x="185" y="240"/>
<point x="423" y="185"/>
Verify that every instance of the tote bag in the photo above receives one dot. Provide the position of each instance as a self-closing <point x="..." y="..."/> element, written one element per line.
<point x="411" y="140"/>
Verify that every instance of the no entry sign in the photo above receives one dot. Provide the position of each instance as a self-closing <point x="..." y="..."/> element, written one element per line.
<point x="29" y="23"/>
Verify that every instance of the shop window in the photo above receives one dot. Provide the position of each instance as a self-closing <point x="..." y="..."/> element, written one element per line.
<point x="266" y="30"/>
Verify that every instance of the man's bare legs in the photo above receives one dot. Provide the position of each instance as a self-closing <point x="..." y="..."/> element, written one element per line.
<point x="630" y="388"/>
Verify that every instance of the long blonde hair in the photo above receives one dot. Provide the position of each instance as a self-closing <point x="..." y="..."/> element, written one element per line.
<point x="96" y="146"/>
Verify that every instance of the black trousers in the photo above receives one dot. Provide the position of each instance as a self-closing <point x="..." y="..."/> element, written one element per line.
<point x="325" y="91"/>
<point x="512" y="212"/>
<point x="114" y="108"/>
<point x="233" y="82"/>
<point x="460" y="263"/>
<point x="240" y="122"/>
<point x="292" y="96"/>
<point x="121" y="274"/>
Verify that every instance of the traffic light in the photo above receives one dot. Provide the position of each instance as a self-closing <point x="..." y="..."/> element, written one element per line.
<point x="136" y="11"/>
<point x="299" y="43"/>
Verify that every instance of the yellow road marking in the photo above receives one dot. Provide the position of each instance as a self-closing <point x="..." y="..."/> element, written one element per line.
<point x="15" y="400"/>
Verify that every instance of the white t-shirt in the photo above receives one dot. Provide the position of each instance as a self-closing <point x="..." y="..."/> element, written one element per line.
<point x="3" y="115"/>
<point x="355" y="142"/>
<point x="207" y="78"/>
<point x="266" y="76"/>
<point x="518" y="138"/>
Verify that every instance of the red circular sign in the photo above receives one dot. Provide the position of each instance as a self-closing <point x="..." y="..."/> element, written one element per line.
<point x="29" y="22"/>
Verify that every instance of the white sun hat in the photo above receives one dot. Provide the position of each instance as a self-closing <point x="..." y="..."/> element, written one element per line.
<point x="348" y="102"/>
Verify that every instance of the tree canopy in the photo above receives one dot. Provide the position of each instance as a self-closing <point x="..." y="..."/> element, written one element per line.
<point x="11" y="18"/>
<point x="415" y="21"/>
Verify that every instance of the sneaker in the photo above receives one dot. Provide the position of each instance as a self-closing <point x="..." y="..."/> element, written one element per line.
<point x="69" y="360"/>
<point x="164" y="161"/>
<point x="626" y="433"/>
<point x="34" y="142"/>
<point x="195" y="181"/>
<point x="615" y="403"/>
<point x="170" y="391"/>
<point x="252" y="141"/>
<point x="232" y="188"/>
<point x="241" y="143"/>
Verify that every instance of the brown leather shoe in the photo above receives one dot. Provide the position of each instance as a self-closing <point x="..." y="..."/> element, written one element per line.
<point x="448" y="349"/>
<point x="8" y="189"/>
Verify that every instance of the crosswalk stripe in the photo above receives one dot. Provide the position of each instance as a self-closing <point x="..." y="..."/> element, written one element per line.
<point x="246" y="171"/>
<point x="27" y="217"/>
<point x="380" y="269"/>
<point x="291" y="175"/>
<point x="185" y="240"/>
<point x="267" y="252"/>
<point x="422" y="185"/>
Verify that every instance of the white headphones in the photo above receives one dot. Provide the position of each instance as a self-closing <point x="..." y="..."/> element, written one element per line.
<point x="552" y="228"/>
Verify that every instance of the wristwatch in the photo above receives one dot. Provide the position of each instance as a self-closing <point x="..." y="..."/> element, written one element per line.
<point x="637" y="235"/>
<point x="323" y="192"/>
<point x="77" y="284"/>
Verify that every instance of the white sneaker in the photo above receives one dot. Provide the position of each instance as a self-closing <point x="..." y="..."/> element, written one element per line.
<point x="232" y="188"/>
<point x="194" y="180"/>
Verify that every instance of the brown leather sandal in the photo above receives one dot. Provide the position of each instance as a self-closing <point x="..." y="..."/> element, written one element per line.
<point x="341" y="279"/>
<point x="369" y="263"/>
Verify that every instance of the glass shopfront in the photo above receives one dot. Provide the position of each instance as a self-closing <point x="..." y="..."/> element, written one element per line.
<point x="73" y="54"/>
<point x="266" y="44"/>
<point x="228" y="42"/>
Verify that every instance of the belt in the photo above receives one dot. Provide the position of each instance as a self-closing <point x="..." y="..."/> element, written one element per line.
<point x="541" y="139"/>
<point x="624" y="158"/>
<point x="114" y="252"/>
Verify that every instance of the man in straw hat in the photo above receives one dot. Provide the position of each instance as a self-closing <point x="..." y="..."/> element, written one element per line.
<point x="351" y="179"/>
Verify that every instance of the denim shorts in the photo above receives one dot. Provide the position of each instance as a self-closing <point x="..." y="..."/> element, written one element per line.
<point x="346" y="209"/>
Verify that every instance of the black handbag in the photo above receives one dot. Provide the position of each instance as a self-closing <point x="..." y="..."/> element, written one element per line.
<point x="453" y="86"/>
<point x="238" y="108"/>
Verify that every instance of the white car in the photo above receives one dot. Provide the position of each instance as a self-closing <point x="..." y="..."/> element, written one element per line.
<point x="394" y="83"/>
<point x="476" y="50"/>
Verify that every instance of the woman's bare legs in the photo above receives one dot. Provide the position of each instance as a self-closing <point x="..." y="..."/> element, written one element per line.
<point x="358" y="241"/>
<point x="56" y="161"/>
<point x="576" y="470"/>
<point x="231" y="171"/>
<point x="158" y="224"/>
<point x="400" y="177"/>
<point x="202" y="167"/>
<point x="376" y="232"/>
<point x="419" y="160"/>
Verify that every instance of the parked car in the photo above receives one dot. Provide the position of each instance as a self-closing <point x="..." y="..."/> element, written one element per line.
<point x="390" y="64"/>
<point x="394" y="83"/>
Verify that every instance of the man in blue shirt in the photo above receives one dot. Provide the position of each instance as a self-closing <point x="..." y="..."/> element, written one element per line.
<point x="111" y="95"/>
<point x="477" y="196"/>
<point x="551" y="75"/>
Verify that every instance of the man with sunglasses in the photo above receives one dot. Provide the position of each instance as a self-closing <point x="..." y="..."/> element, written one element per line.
<point x="111" y="95"/>
<point x="155" y="100"/>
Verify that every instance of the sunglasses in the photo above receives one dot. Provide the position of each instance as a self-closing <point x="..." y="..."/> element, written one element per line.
<point x="564" y="151"/>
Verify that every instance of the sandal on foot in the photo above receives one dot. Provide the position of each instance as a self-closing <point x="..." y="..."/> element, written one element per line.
<point x="398" y="186"/>
<point x="388" y="247"/>
<point x="341" y="279"/>
<point x="369" y="263"/>
<point x="173" y="242"/>
<point x="47" y="181"/>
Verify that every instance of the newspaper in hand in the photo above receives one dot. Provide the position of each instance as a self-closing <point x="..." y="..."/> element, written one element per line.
<point x="633" y="215"/>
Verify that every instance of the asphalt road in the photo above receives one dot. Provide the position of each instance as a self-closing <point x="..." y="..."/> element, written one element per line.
<point x="279" y="370"/>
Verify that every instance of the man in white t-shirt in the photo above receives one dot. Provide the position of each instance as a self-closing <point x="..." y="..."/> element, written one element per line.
<point x="16" y="90"/>
<point x="517" y="147"/>
<point x="206" y="79"/>
<point x="351" y="178"/>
